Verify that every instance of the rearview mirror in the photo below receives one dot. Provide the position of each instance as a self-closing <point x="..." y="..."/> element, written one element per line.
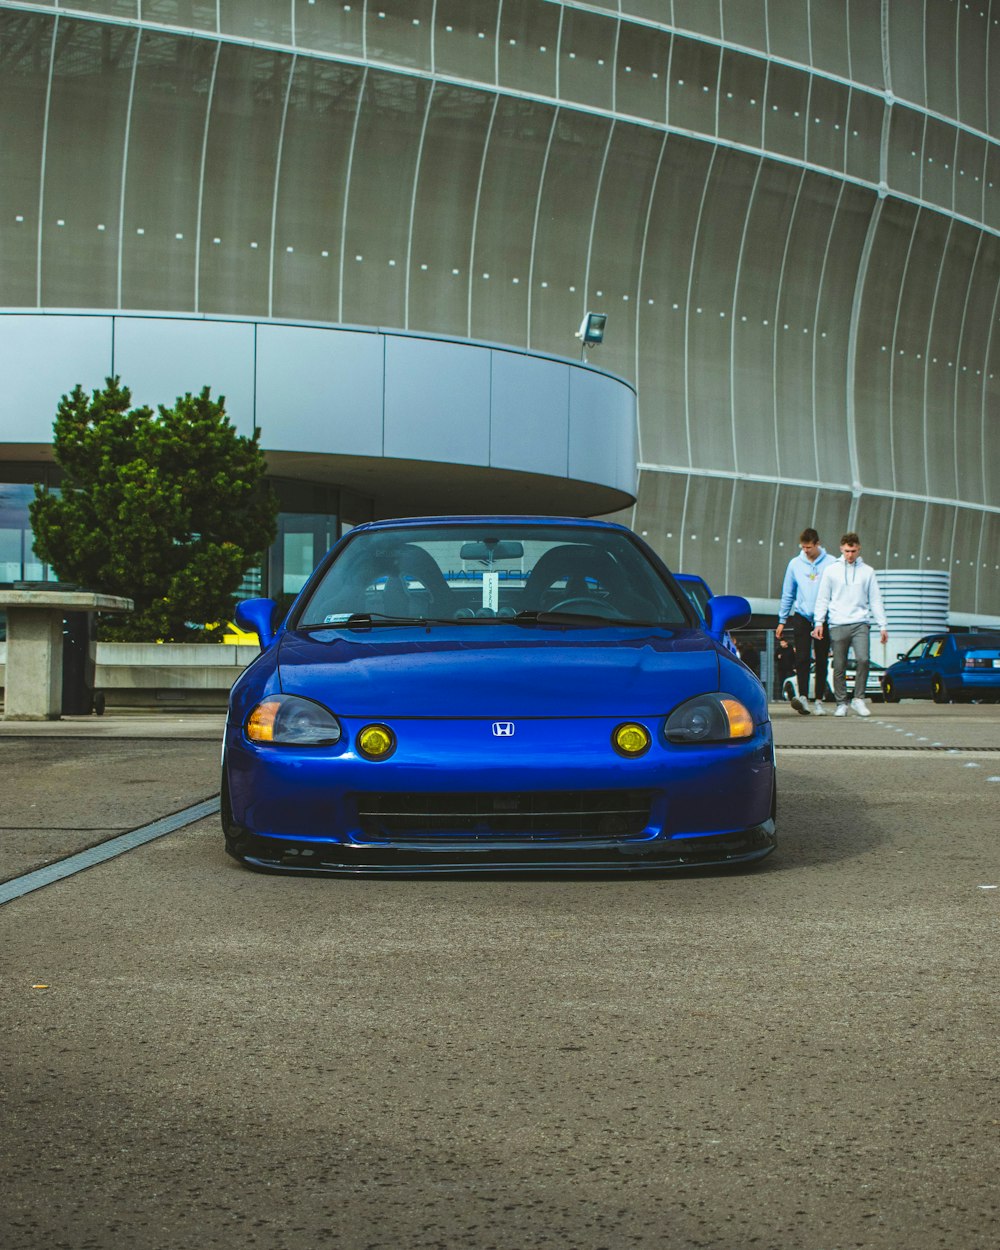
<point x="724" y="612"/>
<point x="257" y="617"/>
<point x="490" y="551"/>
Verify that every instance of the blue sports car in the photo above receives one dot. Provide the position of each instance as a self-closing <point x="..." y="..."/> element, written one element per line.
<point x="943" y="667"/>
<point x="464" y="694"/>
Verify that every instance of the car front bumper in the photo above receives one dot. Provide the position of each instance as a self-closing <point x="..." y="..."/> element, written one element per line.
<point x="453" y="799"/>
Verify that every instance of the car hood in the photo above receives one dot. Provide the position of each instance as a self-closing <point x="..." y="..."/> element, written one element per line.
<point x="539" y="672"/>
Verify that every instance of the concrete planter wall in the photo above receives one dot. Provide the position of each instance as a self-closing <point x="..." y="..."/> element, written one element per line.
<point x="148" y="674"/>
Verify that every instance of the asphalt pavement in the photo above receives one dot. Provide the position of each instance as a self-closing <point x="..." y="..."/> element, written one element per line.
<point x="801" y="1055"/>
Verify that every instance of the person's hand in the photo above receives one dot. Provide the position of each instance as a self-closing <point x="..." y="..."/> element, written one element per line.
<point x="883" y="637"/>
<point x="780" y="630"/>
<point x="818" y="632"/>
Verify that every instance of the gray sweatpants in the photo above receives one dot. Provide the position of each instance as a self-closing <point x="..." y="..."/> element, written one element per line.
<point x="842" y="638"/>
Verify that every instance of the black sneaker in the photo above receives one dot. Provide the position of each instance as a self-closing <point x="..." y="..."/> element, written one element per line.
<point x="800" y="706"/>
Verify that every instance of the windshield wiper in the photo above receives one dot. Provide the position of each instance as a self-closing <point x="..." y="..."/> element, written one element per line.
<point x="365" y="620"/>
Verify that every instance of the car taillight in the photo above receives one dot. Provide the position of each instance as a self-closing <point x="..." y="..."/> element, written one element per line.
<point x="972" y="661"/>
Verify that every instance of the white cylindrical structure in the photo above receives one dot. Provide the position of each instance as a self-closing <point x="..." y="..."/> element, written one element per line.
<point x="916" y="603"/>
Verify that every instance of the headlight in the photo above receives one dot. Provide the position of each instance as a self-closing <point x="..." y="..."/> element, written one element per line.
<point x="287" y="720"/>
<point x="709" y="718"/>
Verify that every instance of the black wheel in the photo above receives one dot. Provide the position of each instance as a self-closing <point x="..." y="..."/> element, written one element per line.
<point x="889" y="690"/>
<point x="788" y="691"/>
<point x="99" y="703"/>
<point x="226" y="814"/>
<point x="939" y="691"/>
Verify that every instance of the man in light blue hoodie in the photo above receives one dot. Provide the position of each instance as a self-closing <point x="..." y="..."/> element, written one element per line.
<point x="849" y="595"/>
<point x="797" y="608"/>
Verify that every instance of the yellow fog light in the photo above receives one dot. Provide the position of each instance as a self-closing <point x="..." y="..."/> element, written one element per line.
<point x="375" y="742"/>
<point x="740" y="720"/>
<point x="631" y="739"/>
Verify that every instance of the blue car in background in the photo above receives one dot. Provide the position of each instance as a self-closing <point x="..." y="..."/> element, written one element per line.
<point x="699" y="594"/>
<point x="944" y="667"/>
<point x="491" y="693"/>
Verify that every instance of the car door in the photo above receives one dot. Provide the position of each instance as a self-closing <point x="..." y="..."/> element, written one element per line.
<point x="910" y="675"/>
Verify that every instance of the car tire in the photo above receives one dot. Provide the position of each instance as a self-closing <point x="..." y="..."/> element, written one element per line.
<point x="788" y="691"/>
<point x="939" y="691"/>
<point x="889" y="691"/>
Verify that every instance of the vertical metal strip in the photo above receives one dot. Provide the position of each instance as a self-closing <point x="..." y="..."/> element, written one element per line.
<point x="209" y="105"/>
<point x="733" y="310"/>
<point x="534" y="226"/>
<point x="594" y="211"/>
<point x="640" y="280"/>
<point x="687" y="305"/>
<point x="778" y="297"/>
<point x="857" y="306"/>
<point x="958" y="361"/>
<point x="348" y="186"/>
<point x="475" y="213"/>
<point x="891" y="397"/>
<point x="815" y="327"/>
<point x="124" y="170"/>
<point x="930" y="333"/>
<point x="277" y="182"/>
<point x="43" y="168"/>
<point x="413" y="205"/>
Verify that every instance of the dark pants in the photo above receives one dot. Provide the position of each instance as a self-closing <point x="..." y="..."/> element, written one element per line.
<point x="806" y="644"/>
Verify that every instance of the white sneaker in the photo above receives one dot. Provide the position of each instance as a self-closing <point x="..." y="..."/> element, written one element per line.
<point x="861" y="707"/>
<point x="841" y="709"/>
<point x="818" y="708"/>
<point x="801" y="705"/>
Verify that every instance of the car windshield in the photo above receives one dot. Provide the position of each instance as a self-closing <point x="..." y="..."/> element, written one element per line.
<point x="484" y="572"/>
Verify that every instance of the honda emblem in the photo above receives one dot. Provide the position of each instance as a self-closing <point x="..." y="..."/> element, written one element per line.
<point x="503" y="729"/>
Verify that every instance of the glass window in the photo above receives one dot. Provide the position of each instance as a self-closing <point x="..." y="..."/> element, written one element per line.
<point x="788" y="30"/>
<point x="745" y="22"/>
<point x="379" y="199"/>
<point x="163" y="171"/>
<point x="918" y="650"/>
<point x="939" y="60"/>
<point x="694" y="86"/>
<point x="485" y="573"/>
<point x="303" y="539"/>
<point x="643" y="61"/>
<point x="939" y="162"/>
<point x="970" y="162"/>
<point x="465" y="38"/>
<point x="906" y="150"/>
<point x="24" y="65"/>
<point x="529" y="37"/>
<point x="826" y="128"/>
<point x="329" y="27"/>
<point x="199" y="14"/>
<point x="587" y="58"/>
<point x="18" y="561"/>
<point x="400" y="31"/>
<point x="828" y="30"/>
<point x="786" y="112"/>
<point x="256" y="19"/>
<point x="743" y="78"/>
<point x="240" y="161"/>
<point x="905" y="33"/>
<point x="444" y="209"/>
<point x="864" y="26"/>
<point x="92" y="76"/>
<point x="312" y="184"/>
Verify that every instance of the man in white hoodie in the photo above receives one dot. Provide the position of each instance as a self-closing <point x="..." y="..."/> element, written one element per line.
<point x="849" y="596"/>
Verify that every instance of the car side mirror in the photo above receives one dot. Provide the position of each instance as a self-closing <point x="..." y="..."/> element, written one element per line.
<point x="724" y="612"/>
<point x="256" y="616"/>
<point x="900" y="655"/>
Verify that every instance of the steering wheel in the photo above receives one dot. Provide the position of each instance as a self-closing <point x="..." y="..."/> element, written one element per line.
<point x="595" y="607"/>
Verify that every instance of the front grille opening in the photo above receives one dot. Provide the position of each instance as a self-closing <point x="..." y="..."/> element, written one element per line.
<point x="548" y="816"/>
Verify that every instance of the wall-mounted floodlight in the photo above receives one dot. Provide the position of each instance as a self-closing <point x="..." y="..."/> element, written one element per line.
<point x="591" y="329"/>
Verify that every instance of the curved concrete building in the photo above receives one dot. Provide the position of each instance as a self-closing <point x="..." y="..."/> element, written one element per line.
<point x="789" y="211"/>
